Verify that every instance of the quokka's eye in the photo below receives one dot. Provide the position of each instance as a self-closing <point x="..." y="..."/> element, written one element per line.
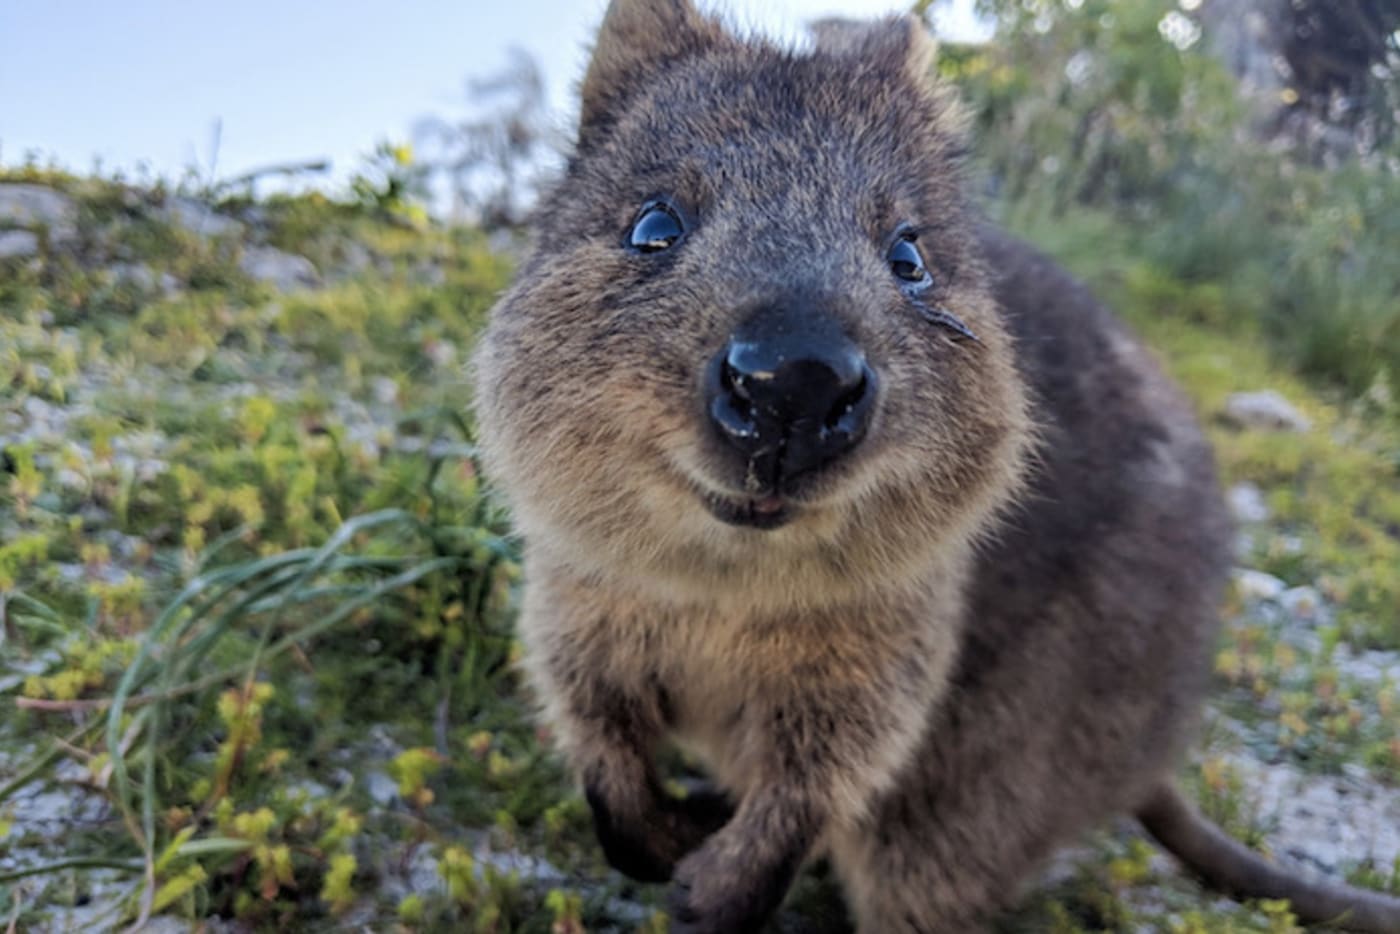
<point x="907" y="262"/>
<point x="656" y="228"/>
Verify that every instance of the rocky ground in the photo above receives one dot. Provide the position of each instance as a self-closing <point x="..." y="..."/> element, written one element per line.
<point x="167" y="366"/>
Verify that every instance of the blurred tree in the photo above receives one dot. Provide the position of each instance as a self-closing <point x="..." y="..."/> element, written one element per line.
<point x="1339" y="50"/>
<point x="1325" y="71"/>
<point x="1248" y="146"/>
<point x="495" y="159"/>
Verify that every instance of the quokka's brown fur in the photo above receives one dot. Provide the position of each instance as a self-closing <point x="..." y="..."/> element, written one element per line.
<point x="981" y="631"/>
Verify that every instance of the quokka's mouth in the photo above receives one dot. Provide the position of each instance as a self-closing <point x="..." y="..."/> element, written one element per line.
<point x="760" y="512"/>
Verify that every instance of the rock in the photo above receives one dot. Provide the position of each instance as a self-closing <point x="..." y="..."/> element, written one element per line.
<point x="442" y="353"/>
<point x="1264" y="411"/>
<point x="18" y="244"/>
<point x="307" y="789"/>
<point x="1244" y="545"/>
<point x="1256" y="586"/>
<point x="1372" y="667"/>
<point x="143" y="277"/>
<point x="200" y="219"/>
<point x="1247" y="503"/>
<point x="163" y="924"/>
<point x="71" y="480"/>
<point x="381" y="788"/>
<point x="1322" y="820"/>
<point x="34" y="206"/>
<point x="386" y="391"/>
<point x="286" y="272"/>
<point x="1304" y="603"/>
<point x="352" y="260"/>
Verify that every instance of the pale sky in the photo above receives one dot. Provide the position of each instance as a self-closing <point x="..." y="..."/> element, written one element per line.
<point x="142" y="82"/>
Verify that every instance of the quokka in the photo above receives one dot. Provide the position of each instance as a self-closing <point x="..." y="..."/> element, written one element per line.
<point x="869" y="506"/>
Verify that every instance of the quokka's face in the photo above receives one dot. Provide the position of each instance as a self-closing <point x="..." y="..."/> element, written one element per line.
<point x="753" y="317"/>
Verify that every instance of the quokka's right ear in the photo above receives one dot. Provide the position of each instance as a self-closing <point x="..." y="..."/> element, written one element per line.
<point x="637" y="39"/>
<point x="896" y="40"/>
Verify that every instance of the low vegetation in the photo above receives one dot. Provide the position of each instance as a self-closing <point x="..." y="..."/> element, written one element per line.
<point x="255" y="599"/>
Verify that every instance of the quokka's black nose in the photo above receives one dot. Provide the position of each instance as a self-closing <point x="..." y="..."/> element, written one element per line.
<point x="790" y="398"/>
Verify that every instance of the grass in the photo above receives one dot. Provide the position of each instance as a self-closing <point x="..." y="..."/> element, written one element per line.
<point x="256" y="604"/>
<point x="247" y="533"/>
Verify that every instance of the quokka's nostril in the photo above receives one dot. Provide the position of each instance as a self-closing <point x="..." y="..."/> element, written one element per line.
<point x="730" y="380"/>
<point x="735" y="386"/>
<point x="847" y="403"/>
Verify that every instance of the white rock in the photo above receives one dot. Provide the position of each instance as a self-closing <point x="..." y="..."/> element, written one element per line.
<point x="307" y="789"/>
<point x="355" y="258"/>
<point x="1302" y="602"/>
<point x="531" y="868"/>
<point x="1325" y="821"/>
<point x="1244" y="544"/>
<point x="1256" y="585"/>
<point x="286" y="272"/>
<point x="441" y="353"/>
<point x="1264" y="411"/>
<point x="1247" y="503"/>
<point x="18" y="244"/>
<point x="143" y="277"/>
<point x="386" y="391"/>
<point x="382" y="789"/>
<point x="71" y="480"/>
<point x="31" y="206"/>
<point x="1371" y="667"/>
<point x="163" y="924"/>
<point x="199" y="218"/>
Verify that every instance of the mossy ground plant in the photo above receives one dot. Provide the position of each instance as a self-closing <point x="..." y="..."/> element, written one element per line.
<point x="243" y="535"/>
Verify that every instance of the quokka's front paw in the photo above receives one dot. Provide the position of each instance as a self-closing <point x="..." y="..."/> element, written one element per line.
<point x="640" y="846"/>
<point x="718" y="891"/>
<point x="694" y="818"/>
<point x="647" y="844"/>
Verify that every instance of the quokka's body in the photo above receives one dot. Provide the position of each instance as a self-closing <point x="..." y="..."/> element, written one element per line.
<point x="874" y="509"/>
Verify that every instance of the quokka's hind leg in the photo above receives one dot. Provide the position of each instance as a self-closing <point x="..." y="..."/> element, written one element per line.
<point x="936" y="863"/>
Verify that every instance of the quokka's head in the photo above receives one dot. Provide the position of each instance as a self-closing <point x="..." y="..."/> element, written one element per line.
<point x="753" y="342"/>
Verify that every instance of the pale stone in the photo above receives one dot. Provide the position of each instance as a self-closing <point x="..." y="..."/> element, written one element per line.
<point x="199" y="218"/>
<point x="1256" y="585"/>
<point x="1302" y="602"/>
<point x="286" y="272"/>
<point x="1264" y="411"/>
<point x="31" y="206"/>
<point x="1247" y="503"/>
<point x="18" y="244"/>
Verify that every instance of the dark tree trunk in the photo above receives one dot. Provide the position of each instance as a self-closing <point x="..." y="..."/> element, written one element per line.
<point x="1332" y="47"/>
<point x="1324" y="72"/>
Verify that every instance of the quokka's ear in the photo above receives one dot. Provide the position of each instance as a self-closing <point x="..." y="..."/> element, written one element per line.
<point x="637" y="39"/>
<point x="899" y="41"/>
